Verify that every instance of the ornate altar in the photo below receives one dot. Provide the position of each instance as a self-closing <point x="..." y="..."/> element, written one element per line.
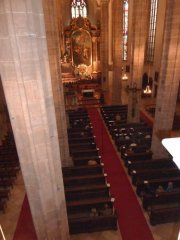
<point x="82" y="47"/>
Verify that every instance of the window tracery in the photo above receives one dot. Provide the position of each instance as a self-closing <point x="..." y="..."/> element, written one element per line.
<point x="78" y="8"/>
<point x="152" y="31"/>
<point x="125" y="29"/>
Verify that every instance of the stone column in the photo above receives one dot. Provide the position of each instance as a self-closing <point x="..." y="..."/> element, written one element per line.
<point x="168" y="79"/>
<point x="104" y="43"/>
<point x="27" y="86"/>
<point x="52" y="33"/>
<point x="117" y="18"/>
<point x="94" y="42"/>
<point x="139" y="36"/>
<point x="4" y="118"/>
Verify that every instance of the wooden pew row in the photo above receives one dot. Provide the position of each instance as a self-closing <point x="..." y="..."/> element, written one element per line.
<point x="110" y="123"/>
<point x="141" y="186"/>
<point x="6" y="183"/>
<point x="82" y="170"/>
<point x="123" y="144"/>
<point x="112" y="115"/>
<point x="79" y="117"/>
<point x="92" y="224"/>
<point x="8" y="173"/>
<point x="149" y="164"/>
<point x="81" y="140"/>
<point x="84" y="180"/>
<point x="150" y="200"/>
<point x="85" y="186"/>
<point x="74" y="130"/>
<point x="176" y="122"/>
<point x="85" y="153"/>
<point x="82" y="146"/>
<point x="81" y="220"/>
<point x="78" y="113"/>
<point x="10" y="164"/>
<point x="115" y="132"/>
<point x="3" y="204"/>
<point x="79" y="161"/>
<point x="5" y="193"/>
<point x="110" y="109"/>
<point x="137" y="156"/>
<point x="149" y="174"/>
<point x="85" y="205"/>
<point x="87" y="194"/>
<point x="81" y="134"/>
<point x="164" y="214"/>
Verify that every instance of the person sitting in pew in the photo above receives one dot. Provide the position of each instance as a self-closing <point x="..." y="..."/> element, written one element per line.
<point x="133" y="144"/>
<point x="159" y="189"/>
<point x="117" y="118"/>
<point x="87" y="127"/>
<point x="106" y="211"/>
<point x="82" y="134"/>
<point x="147" y="136"/>
<point x="94" y="212"/>
<point x="170" y="187"/>
<point x="92" y="162"/>
<point x="148" y="189"/>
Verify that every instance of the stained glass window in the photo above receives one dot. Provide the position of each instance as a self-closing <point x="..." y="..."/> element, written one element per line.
<point x="125" y="29"/>
<point x="78" y="8"/>
<point x="152" y="31"/>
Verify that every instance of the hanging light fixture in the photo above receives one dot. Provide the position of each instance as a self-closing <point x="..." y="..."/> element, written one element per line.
<point x="147" y="90"/>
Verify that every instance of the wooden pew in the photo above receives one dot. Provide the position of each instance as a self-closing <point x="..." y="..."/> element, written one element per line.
<point x="85" y="205"/>
<point x="149" y="164"/>
<point x="82" y="146"/>
<point x="85" y="153"/>
<point x="79" y="161"/>
<point x="92" y="224"/>
<point x="84" y="180"/>
<point x="149" y="174"/>
<point x="164" y="214"/>
<point x="74" y="130"/>
<point x="154" y="183"/>
<point x="81" y="140"/>
<point x="87" y="194"/>
<point x="3" y="205"/>
<point x="149" y="200"/>
<point x="81" y="134"/>
<point x="137" y="156"/>
<point x="82" y="170"/>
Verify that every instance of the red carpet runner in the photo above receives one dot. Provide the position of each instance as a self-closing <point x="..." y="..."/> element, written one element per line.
<point x="25" y="227"/>
<point x="132" y="223"/>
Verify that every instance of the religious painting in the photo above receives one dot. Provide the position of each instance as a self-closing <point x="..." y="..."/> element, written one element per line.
<point x="81" y="48"/>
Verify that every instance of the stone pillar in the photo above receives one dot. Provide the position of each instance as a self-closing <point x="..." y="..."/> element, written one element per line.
<point x="117" y="18"/>
<point x="4" y="118"/>
<point x="139" y="36"/>
<point x="104" y="43"/>
<point x="94" y="58"/>
<point x="168" y="79"/>
<point x="52" y="33"/>
<point x="27" y="86"/>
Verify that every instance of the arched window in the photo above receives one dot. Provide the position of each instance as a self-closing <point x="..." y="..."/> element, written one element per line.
<point x="152" y="31"/>
<point x="125" y="29"/>
<point x="78" y="8"/>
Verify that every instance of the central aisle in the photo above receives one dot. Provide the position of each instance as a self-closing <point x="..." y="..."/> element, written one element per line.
<point x="131" y="220"/>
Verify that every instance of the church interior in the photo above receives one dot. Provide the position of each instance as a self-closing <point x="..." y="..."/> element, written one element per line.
<point x="88" y="91"/>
